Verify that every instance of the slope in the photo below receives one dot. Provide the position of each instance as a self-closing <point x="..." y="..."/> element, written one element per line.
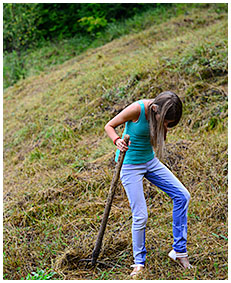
<point x="58" y="162"/>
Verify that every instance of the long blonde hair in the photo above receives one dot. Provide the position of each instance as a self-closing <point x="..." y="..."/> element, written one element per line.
<point x="169" y="106"/>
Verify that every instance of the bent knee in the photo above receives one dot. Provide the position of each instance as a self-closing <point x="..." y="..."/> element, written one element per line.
<point x="184" y="198"/>
<point x="187" y="196"/>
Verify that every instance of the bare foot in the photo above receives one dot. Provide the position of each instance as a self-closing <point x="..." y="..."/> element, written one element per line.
<point x="136" y="271"/>
<point x="184" y="261"/>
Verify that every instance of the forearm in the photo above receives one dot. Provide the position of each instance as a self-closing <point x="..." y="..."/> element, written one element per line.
<point x="120" y="144"/>
<point x="110" y="130"/>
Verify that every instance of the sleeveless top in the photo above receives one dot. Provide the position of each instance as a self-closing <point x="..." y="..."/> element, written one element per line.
<point x="140" y="150"/>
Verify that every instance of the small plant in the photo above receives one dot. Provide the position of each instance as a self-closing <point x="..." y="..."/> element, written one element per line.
<point x="78" y="165"/>
<point x="23" y="133"/>
<point x="92" y="24"/>
<point x="35" y="155"/>
<point x="39" y="275"/>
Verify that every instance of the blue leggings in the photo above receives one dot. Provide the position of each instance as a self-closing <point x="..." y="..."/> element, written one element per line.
<point x="132" y="179"/>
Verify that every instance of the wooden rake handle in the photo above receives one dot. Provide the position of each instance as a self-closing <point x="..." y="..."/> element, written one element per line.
<point x="107" y="209"/>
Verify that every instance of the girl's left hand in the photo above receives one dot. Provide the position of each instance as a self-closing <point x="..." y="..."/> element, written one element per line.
<point x="121" y="145"/>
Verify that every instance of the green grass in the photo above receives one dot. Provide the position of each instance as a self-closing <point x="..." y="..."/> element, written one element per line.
<point x="39" y="275"/>
<point x="58" y="161"/>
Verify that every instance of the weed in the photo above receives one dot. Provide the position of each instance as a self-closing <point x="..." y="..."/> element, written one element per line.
<point x="39" y="275"/>
<point x="78" y="165"/>
<point x="24" y="133"/>
<point x="35" y="155"/>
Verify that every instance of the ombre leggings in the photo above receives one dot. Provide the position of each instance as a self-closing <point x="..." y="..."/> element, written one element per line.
<point x="159" y="175"/>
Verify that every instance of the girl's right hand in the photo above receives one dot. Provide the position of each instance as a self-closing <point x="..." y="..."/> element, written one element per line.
<point x="121" y="145"/>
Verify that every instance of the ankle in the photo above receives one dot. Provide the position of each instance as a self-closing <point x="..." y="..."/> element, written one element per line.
<point x="137" y="264"/>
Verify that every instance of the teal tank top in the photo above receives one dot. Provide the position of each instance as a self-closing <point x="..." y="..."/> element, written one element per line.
<point x="140" y="150"/>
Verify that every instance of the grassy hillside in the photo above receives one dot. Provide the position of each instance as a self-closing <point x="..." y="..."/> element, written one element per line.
<point x="58" y="161"/>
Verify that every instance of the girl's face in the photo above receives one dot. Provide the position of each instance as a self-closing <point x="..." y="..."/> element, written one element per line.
<point x="166" y="122"/>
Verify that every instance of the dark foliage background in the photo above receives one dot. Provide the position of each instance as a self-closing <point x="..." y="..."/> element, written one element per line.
<point x="25" y="25"/>
<point x="34" y="34"/>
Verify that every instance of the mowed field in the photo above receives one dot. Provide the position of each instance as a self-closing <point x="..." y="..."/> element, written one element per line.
<point x="59" y="162"/>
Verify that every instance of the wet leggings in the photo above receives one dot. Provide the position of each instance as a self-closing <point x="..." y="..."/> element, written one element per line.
<point x="159" y="175"/>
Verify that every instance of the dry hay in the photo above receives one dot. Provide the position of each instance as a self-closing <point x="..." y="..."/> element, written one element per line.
<point x="86" y="193"/>
<point x="117" y="246"/>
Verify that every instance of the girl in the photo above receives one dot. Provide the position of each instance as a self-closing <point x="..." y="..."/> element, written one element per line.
<point x="147" y="122"/>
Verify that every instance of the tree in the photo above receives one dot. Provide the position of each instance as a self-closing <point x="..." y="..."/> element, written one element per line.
<point x="19" y="26"/>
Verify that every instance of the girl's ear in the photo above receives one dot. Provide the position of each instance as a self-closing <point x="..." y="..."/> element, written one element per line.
<point x="154" y="108"/>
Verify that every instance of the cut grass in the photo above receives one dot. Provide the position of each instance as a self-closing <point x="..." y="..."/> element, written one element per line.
<point x="58" y="162"/>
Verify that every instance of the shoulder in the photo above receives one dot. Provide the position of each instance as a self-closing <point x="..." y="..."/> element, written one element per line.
<point x="135" y="106"/>
<point x="131" y="112"/>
